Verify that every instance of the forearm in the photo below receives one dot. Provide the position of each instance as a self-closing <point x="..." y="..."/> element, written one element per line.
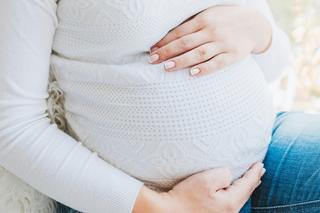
<point x="56" y="165"/>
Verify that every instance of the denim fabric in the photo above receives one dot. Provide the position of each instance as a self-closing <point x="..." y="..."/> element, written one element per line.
<point x="292" y="181"/>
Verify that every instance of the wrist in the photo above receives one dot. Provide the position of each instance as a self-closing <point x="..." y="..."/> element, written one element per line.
<point x="149" y="201"/>
<point x="263" y="33"/>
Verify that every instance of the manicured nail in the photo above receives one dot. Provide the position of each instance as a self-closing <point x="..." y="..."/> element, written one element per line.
<point x="154" y="58"/>
<point x="194" y="71"/>
<point x="169" y="65"/>
<point x="263" y="171"/>
<point x="154" y="49"/>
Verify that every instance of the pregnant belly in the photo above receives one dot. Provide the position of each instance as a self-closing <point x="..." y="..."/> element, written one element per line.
<point x="161" y="132"/>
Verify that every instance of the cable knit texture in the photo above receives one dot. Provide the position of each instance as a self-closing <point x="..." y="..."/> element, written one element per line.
<point x="158" y="127"/>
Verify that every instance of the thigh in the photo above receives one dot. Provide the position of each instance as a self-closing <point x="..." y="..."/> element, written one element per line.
<point x="292" y="181"/>
<point x="65" y="209"/>
<point x="247" y="207"/>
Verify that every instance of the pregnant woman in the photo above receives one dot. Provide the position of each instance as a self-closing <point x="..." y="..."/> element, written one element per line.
<point x="139" y="126"/>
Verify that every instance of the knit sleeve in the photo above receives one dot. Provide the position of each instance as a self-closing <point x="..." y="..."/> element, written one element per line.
<point x="278" y="55"/>
<point x="32" y="148"/>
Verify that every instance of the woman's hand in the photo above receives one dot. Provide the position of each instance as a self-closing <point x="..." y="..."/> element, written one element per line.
<point x="206" y="192"/>
<point x="213" y="39"/>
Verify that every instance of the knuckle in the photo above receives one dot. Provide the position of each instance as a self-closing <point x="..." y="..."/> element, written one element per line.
<point x="178" y="61"/>
<point x="164" y="52"/>
<point x="177" y="32"/>
<point x="202" y="53"/>
<point x="187" y="61"/>
<point x="181" y="61"/>
<point x="198" y="24"/>
<point x="184" y="43"/>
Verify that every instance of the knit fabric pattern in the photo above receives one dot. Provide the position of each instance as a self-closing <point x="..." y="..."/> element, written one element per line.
<point x="156" y="126"/>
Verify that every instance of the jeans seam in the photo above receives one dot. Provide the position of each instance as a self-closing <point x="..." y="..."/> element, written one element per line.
<point x="288" y="206"/>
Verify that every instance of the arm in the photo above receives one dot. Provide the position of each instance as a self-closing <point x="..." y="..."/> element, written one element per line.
<point x="32" y="148"/>
<point x="277" y="56"/>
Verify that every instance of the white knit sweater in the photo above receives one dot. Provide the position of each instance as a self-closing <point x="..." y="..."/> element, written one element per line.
<point x="136" y="122"/>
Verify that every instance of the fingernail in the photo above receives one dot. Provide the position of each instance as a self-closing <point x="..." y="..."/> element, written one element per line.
<point x="154" y="49"/>
<point x="194" y="71"/>
<point x="169" y="65"/>
<point x="154" y="58"/>
<point x="263" y="171"/>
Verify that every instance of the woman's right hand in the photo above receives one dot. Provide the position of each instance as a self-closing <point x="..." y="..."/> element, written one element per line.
<point x="210" y="191"/>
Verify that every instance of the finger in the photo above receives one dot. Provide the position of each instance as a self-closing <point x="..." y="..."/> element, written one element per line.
<point x="241" y="189"/>
<point x="194" y="56"/>
<point x="183" y="29"/>
<point x="180" y="46"/>
<point x="216" y="63"/>
<point x="215" y="179"/>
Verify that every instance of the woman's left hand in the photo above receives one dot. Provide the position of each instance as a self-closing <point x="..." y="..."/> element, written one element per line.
<point x="213" y="39"/>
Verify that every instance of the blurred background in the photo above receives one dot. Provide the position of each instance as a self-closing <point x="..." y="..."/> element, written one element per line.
<point x="299" y="89"/>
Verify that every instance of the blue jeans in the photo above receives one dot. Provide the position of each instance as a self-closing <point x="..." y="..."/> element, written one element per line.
<point x="292" y="181"/>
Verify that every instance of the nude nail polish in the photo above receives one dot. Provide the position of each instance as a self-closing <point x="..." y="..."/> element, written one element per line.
<point x="169" y="65"/>
<point x="194" y="71"/>
<point x="154" y="58"/>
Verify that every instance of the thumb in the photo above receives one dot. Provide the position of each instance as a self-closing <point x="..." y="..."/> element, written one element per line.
<point x="218" y="179"/>
<point x="207" y="182"/>
<point x="241" y="189"/>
